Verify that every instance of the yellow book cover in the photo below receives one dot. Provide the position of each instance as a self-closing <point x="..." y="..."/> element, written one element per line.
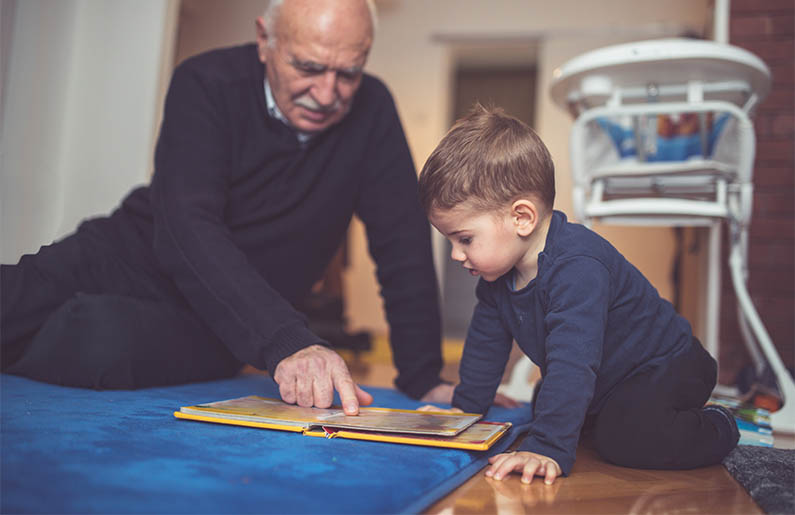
<point x="256" y="411"/>
<point x="480" y="436"/>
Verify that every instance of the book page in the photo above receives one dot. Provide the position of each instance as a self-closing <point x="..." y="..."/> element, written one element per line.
<point x="272" y="411"/>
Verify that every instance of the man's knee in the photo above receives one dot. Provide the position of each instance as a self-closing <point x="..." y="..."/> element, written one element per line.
<point x="115" y="342"/>
<point x="86" y="342"/>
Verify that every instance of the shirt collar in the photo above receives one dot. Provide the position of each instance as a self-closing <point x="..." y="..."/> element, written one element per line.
<point x="275" y="112"/>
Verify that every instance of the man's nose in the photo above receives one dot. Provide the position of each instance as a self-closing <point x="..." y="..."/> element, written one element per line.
<point x="325" y="89"/>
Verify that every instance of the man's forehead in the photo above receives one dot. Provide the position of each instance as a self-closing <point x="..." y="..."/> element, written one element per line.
<point x="322" y="55"/>
<point x="330" y="28"/>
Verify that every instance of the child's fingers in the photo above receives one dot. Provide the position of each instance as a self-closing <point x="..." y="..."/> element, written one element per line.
<point x="552" y="473"/>
<point x="496" y="461"/>
<point x="508" y="465"/>
<point x="529" y="464"/>
<point x="530" y="470"/>
<point x="498" y="467"/>
<point x="499" y="457"/>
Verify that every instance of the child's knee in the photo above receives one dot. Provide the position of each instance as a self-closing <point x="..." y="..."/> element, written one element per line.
<point x="673" y="439"/>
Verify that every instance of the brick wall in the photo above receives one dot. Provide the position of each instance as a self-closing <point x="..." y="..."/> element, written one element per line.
<point x="765" y="27"/>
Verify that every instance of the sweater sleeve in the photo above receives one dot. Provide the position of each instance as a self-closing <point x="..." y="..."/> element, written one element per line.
<point x="191" y="241"/>
<point x="399" y="241"/>
<point x="486" y="352"/>
<point x="575" y="320"/>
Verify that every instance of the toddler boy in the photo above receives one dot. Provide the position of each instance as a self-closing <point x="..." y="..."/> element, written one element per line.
<point x="615" y="357"/>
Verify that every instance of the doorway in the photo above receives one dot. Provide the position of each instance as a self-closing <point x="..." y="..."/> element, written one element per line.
<point x="511" y="87"/>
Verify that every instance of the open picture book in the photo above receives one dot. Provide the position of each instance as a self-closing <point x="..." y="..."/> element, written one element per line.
<point x="436" y="429"/>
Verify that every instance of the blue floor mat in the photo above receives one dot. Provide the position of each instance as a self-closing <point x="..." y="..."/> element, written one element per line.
<point x="71" y="450"/>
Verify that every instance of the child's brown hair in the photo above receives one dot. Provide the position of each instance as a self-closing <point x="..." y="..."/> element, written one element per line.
<point x="488" y="159"/>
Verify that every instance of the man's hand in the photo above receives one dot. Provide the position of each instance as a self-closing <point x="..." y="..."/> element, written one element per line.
<point x="528" y="463"/>
<point x="310" y="376"/>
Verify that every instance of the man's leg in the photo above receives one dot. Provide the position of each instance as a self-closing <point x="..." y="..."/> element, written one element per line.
<point x="656" y="418"/>
<point x="80" y="313"/>
<point x="117" y="342"/>
<point x="35" y="287"/>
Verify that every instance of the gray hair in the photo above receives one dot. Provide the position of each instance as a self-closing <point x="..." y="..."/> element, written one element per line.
<point x="272" y="12"/>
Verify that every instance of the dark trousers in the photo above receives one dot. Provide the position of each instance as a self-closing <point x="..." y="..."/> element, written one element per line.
<point x="653" y="420"/>
<point x="81" y="313"/>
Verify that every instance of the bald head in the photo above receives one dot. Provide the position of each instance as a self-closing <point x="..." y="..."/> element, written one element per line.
<point x="361" y="15"/>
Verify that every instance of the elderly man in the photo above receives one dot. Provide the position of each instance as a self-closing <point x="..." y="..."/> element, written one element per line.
<point x="265" y="153"/>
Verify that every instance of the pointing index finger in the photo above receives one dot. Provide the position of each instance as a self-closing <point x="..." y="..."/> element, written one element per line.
<point x="345" y="387"/>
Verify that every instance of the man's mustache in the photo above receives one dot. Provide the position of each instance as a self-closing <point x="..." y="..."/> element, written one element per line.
<point x="308" y="102"/>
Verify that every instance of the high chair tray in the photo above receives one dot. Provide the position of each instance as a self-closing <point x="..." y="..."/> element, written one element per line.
<point x="727" y="72"/>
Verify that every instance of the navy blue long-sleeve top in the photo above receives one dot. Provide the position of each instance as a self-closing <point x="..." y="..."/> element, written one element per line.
<point x="244" y="219"/>
<point x="589" y="320"/>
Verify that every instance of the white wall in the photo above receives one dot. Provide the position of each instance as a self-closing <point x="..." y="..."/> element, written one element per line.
<point x="413" y="53"/>
<point x="81" y="101"/>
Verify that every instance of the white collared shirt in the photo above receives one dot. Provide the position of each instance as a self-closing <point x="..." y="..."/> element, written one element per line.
<point x="275" y="112"/>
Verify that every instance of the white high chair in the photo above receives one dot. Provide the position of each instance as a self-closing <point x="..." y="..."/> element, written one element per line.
<point x="624" y="174"/>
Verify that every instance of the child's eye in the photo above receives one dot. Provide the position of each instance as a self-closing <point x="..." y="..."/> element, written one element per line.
<point x="465" y="240"/>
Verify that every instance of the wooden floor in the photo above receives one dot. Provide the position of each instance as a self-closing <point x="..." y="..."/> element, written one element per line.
<point x="593" y="486"/>
<point x="597" y="487"/>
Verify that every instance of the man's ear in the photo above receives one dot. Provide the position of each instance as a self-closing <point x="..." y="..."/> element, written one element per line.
<point x="525" y="216"/>
<point x="262" y="38"/>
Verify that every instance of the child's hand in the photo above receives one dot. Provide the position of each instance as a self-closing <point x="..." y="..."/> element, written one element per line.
<point x="442" y="393"/>
<point x="528" y="463"/>
<point x="431" y="407"/>
<point x="505" y="401"/>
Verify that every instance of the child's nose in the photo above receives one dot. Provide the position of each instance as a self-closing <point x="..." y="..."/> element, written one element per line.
<point x="458" y="255"/>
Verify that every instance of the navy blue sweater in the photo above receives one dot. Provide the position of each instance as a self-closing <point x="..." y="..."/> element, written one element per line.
<point x="589" y="320"/>
<point x="243" y="219"/>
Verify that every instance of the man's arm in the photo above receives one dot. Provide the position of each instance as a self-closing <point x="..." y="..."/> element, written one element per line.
<point x="196" y="249"/>
<point x="400" y="243"/>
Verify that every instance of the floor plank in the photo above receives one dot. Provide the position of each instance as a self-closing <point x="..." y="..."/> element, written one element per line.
<point x="593" y="487"/>
<point x="596" y="487"/>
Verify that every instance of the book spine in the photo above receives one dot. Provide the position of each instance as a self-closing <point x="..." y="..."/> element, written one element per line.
<point x="744" y="425"/>
<point x="756" y="439"/>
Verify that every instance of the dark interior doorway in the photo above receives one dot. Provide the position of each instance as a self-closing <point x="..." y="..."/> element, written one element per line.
<point x="513" y="89"/>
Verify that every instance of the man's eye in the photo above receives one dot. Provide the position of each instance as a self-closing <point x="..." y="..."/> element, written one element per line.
<point x="348" y="76"/>
<point x="306" y="70"/>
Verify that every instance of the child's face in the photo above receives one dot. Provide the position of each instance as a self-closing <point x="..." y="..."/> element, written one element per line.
<point x="486" y="244"/>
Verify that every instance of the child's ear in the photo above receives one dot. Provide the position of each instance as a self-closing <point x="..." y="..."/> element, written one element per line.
<point x="525" y="216"/>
